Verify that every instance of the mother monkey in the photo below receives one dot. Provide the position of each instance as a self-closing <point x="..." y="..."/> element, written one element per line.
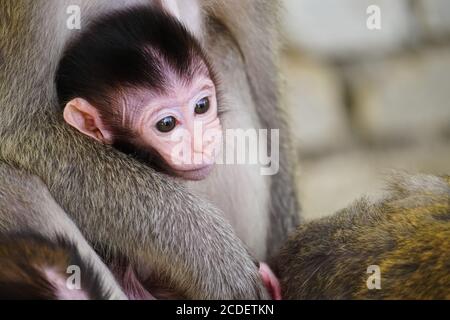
<point x="98" y="198"/>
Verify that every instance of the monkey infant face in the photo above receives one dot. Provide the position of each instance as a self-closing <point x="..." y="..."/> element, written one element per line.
<point x="177" y="131"/>
<point x="184" y="129"/>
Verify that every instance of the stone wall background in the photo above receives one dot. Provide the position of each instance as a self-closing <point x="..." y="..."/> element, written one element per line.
<point x="363" y="102"/>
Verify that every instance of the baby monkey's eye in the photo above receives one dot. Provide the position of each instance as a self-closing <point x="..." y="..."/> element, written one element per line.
<point x="167" y="124"/>
<point x="202" y="106"/>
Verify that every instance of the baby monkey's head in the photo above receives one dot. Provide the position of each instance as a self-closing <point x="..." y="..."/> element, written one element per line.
<point x="139" y="81"/>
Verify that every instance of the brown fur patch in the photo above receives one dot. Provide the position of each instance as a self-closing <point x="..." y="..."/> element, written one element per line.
<point x="407" y="235"/>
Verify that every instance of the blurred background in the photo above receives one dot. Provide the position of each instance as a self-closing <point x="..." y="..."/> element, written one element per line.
<point x="363" y="102"/>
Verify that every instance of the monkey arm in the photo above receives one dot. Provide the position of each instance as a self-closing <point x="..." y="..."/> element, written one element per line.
<point x="154" y="222"/>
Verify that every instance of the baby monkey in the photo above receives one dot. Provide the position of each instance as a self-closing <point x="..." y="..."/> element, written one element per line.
<point x="139" y="81"/>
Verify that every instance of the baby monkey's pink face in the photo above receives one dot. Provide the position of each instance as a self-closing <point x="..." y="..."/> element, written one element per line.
<point x="182" y="126"/>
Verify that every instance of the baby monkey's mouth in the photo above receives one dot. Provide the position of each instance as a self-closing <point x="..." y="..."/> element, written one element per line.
<point x="195" y="174"/>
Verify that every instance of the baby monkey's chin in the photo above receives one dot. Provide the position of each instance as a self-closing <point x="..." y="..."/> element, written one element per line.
<point x="197" y="174"/>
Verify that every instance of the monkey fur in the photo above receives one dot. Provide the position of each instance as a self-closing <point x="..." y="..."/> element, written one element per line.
<point x="407" y="234"/>
<point x="51" y="242"/>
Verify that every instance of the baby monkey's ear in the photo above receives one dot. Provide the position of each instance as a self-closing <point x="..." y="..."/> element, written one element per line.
<point x="84" y="117"/>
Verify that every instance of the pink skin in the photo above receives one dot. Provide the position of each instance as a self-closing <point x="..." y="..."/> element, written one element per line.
<point x="181" y="105"/>
<point x="270" y="281"/>
<point x="190" y="149"/>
